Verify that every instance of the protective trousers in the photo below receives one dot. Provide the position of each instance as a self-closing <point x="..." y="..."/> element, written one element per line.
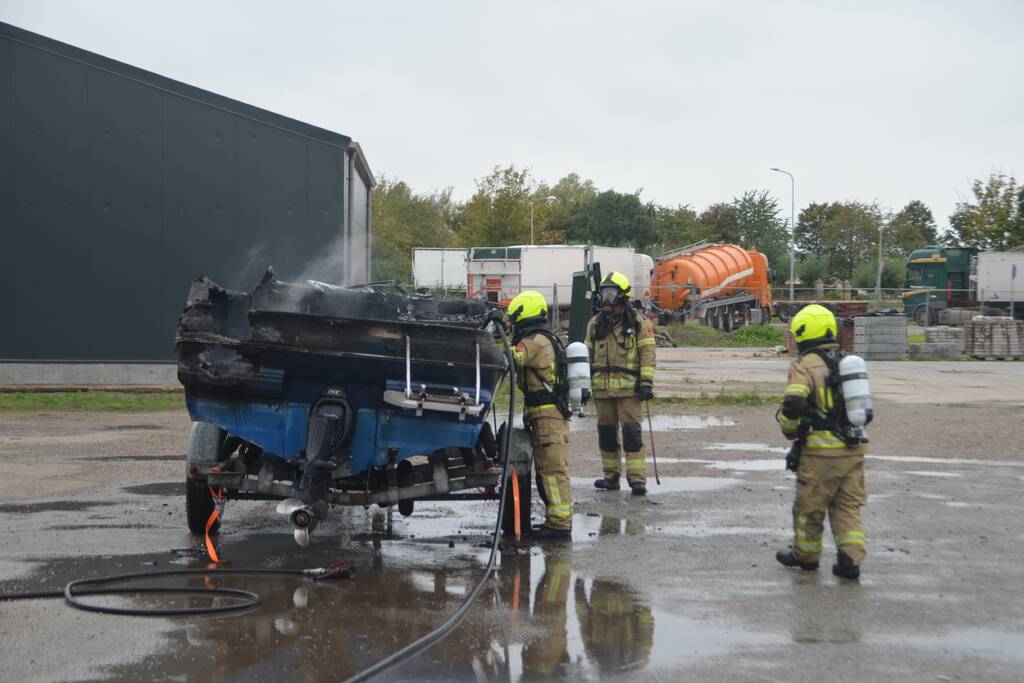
<point x="832" y="484"/>
<point x="550" y="439"/>
<point x="613" y="413"/>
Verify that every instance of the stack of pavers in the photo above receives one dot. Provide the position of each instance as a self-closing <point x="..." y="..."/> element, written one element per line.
<point x="940" y="342"/>
<point x="845" y="326"/>
<point x="994" y="337"/>
<point x="880" y="337"/>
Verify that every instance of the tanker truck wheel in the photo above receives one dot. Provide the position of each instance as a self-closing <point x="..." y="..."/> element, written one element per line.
<point x="728" y="319"/>
<point x="785" y="313"/>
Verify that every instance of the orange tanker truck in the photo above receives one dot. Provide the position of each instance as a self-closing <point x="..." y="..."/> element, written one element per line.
<point x="722" y="285"/>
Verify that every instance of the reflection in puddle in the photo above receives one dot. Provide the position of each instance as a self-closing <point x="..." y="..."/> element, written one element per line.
<point x="662" y="423"/>
<point x="670" y="485"/>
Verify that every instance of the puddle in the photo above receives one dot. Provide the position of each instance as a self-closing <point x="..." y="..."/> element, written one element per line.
<point x="946" y="461"/>
<point x="52" y="506"/>
<point x="668" y="485"/>
<point x="706" y="531"/>
<point x="164" y="488"/>
<point x="747" y="448"/>
<point x="732" y="465"/>
<point x="544" y="619"/>
<point x="130" y="428"/>
<point x="661" y="423"/>
<point x="977" y="642"/>
<point x="944" y="475"/>
<point x="134" y="458"/>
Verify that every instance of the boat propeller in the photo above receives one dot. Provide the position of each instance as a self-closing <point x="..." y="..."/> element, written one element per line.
<point x="304" y="518"/>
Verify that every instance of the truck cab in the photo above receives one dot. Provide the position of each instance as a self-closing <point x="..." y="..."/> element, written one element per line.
<point x="937" y="278"/>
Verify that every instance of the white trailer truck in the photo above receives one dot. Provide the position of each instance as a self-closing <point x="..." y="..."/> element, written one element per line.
<point x="500" y="273"/>
<point x="436" y="268"/>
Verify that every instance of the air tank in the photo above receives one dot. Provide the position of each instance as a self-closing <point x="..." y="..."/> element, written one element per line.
<point x="853" y="375"/>
<point x="578" y="361"/>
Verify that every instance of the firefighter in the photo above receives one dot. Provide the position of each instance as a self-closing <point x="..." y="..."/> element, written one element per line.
<point x="540" y="377"/>
<point x="622" y="350"/>
<point x="827" y="456"/>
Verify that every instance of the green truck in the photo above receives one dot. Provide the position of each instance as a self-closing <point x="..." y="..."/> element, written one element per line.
<point x="949" y="285"/>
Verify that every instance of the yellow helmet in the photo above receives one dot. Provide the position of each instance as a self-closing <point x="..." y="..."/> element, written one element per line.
<point x="617" y="279"/>
<point x="529" y="304"/>
<point x="813" y="323"/>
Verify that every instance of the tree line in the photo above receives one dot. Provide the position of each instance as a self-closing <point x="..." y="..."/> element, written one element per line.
<point x="834" y="241"/>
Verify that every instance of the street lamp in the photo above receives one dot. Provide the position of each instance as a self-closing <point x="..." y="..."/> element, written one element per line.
<point x="792" y="228"/>
<point x="547" y="200"/>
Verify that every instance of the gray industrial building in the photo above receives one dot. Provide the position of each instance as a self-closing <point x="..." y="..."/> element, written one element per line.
<point x="119" y="186"/>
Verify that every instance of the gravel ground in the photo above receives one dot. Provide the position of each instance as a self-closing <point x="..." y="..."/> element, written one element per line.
<point x="679" y="584"/>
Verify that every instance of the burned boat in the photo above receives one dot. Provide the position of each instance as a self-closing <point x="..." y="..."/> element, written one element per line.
<point x="319" y="395"/>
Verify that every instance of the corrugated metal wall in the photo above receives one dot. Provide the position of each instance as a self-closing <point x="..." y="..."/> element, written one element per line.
<point x="118" y="187"/>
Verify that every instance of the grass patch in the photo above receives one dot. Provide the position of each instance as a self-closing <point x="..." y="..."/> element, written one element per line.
<point x="695" y="334"/>
<point x="91" y="400"/>
<point x="916" y="338"/>
<point x="746" y="398"/>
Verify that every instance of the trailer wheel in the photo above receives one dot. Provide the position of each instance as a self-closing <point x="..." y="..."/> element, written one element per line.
<point x="728" y="319"/>
<point x="508" y="520"/>
<point x="405" y="506"/>
<point x="204" y="449"/>
<point x="199" y="506"/>
<point x="784" y="313"/>
<point x="996" y="312"/>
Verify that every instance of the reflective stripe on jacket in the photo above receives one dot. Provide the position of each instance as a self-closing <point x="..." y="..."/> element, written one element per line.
<point x="621" y="362"/>
<point x="808" y="378"/>
<point x="534" y="356"/>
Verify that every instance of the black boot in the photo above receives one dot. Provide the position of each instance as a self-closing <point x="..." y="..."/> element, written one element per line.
<point x="638" y="487"/>
<point x="845" y="568"/>
<point x="786" y="557"/>
<point x="544" y="533"/>
<point x="607" y="484"/>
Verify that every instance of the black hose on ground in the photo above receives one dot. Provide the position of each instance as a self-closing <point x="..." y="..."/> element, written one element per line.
<point x="417" y="646"/>
<point x="79" y="588"/>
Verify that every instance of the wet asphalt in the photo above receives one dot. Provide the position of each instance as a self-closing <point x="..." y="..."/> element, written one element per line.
<point x="680" y="585"/>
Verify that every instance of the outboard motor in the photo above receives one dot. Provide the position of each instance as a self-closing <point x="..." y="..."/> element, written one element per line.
<point x="578" y="370"/>
<point x="853" y="377"/>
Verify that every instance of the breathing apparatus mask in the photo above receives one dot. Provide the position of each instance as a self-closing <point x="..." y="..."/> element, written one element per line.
<point x="611" y="296"/>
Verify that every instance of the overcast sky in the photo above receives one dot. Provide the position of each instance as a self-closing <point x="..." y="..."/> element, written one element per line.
<point x="693" y="102"/>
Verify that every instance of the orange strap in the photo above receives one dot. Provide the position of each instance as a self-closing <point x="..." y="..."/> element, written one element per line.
<point x="218" y="497"/>
<point x="515" y="505"/>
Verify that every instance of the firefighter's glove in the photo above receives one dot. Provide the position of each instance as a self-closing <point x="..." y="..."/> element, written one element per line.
<point x="646" y="392"/>
<point x="793" y="457"/>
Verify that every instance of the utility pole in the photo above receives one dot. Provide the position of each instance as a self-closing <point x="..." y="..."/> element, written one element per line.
<point x="878" y="279"/>
<point x="792" y="228"/>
